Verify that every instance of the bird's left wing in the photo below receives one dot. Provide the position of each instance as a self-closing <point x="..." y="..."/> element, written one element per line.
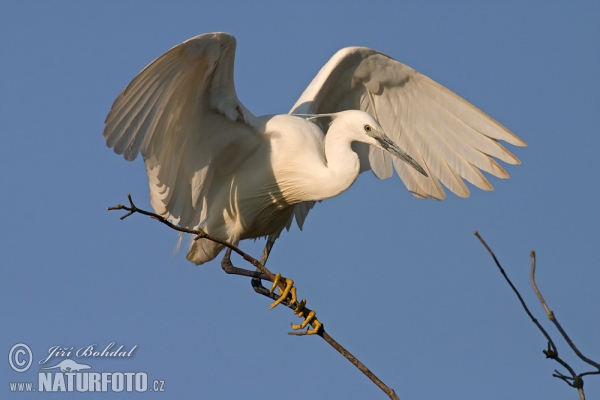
<point x="183" y="115"/>
<point x="449" y="137"/>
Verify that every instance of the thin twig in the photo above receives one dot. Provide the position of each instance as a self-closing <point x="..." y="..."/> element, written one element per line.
<point x="552" y="347"/>
<point x="553" y="318"/>
<point x="259" y="288"/>
<point x="575" y="380"/>
<point x="200" y="234"/>
<point x="535" y="289"/>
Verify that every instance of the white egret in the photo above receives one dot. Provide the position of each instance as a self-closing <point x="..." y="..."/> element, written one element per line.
<point x="213" y="165"/>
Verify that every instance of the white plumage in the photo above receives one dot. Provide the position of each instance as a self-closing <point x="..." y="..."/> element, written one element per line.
<point x="214" y="165"/>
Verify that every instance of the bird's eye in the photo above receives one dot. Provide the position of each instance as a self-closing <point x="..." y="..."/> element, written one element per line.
<point x="368" y="128"/>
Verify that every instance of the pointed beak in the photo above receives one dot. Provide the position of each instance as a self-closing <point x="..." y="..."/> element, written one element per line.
<point x="387" y="144"/>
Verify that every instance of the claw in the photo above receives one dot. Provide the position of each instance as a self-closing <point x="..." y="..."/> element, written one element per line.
<point x="310" y="318"/>
<point x="289" y="288"/>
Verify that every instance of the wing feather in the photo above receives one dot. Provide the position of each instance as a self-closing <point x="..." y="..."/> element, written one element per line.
<point x="449" y="137"/>
<point x="183" y="115"/>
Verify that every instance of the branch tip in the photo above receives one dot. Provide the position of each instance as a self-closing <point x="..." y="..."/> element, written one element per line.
<point x="575" y="380"/>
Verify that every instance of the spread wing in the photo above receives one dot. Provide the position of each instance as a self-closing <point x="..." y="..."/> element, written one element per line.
<point x="183" y="115"/>
<point x="449" y="137"/>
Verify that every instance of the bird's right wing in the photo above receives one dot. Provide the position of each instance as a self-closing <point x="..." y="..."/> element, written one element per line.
<point x="183" y="115"/>
<point x="449" y="137"/>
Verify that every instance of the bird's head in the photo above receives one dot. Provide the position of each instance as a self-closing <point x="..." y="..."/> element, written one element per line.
<point x="366" y="129"/>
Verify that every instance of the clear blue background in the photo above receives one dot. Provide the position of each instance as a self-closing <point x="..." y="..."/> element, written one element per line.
<point x="401" y="282"/>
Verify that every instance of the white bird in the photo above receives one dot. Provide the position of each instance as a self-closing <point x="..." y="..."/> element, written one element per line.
<point x="213" y="165"/>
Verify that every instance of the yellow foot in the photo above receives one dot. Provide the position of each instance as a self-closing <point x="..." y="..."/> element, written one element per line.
<point x="289" y="289"/>
<point x="310" y="317"/>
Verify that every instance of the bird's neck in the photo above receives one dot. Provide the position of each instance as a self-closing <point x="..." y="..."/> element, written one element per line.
<point x="343" y="165"/>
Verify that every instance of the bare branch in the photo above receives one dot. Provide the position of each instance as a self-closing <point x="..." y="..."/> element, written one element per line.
<point x="535" y="289"/>
<point x="590" y="373"/>
<point x="200" y="234"/>
<point x="575" y="380"/>
<point x="553" y="318"/>
<point x="551" y="346"/>
<point x="261" y="273"/>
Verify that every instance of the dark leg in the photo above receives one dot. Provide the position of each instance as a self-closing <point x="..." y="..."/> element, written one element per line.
<point x="229" y="268"/>
<point x="268" y="248"/>
<point x="256" y="282"/>
<point x="256" y="276"/>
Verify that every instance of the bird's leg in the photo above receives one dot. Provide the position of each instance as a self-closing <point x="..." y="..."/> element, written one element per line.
<point x="229" y="268"/>
<point x="267" y="250"/>
<point x="299" y="307"/>
<point x="256" y="282"/>
<point x="286" y="291"/>
<point x="257" y="276"/>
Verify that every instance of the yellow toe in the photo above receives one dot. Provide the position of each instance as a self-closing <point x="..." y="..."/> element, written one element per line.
<point x="310" y="318"/>
<point x="289" y="287"/>
<point x="317" y="325"/>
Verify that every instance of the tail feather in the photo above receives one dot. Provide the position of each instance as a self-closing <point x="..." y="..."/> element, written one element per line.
<point x="203" y="250"/>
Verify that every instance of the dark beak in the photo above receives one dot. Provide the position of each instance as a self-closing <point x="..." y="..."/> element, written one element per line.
<point x="387" y="144"/>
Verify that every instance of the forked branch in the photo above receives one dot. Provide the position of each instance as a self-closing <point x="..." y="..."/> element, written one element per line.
<point x="262" y="273"/>
<point x="574" y="380"/>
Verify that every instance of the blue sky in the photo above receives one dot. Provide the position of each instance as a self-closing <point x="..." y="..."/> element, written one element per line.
<point x="401" y="282"/>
